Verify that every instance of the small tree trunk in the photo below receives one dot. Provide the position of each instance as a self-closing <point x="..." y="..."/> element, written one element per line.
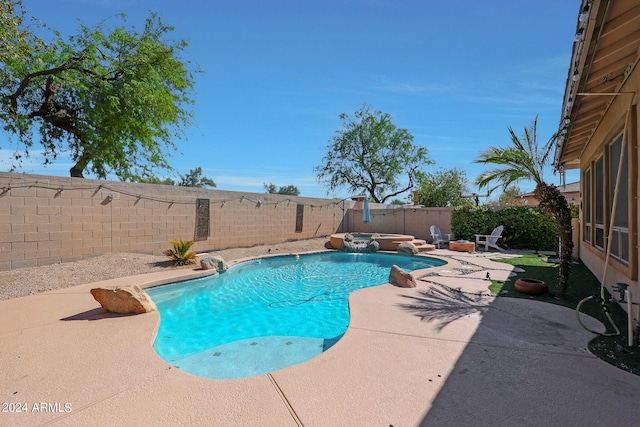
<point x="78" y="169"/>
<point x="553" y="202"/>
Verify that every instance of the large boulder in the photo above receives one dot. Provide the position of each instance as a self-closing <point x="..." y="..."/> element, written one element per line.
<point x="214" y="263"/>
<point x="372" y="246"/>
<point x="125" y="300"/>
<point x="399" y="277"/>
<point x="407" y="248"/>
<point x="350" y="246"/>
<point x="357" y="247"/>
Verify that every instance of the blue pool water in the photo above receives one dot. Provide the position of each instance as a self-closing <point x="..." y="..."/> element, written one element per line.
<point x="267" y="314"/>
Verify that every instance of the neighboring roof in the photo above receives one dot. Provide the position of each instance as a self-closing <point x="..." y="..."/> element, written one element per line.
<point x="604" y="55"/>
<point x="572" y="187"/>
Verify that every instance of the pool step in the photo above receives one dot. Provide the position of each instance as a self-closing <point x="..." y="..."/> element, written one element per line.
<point x="425" y="247"/>
<point x="422" y="245"/>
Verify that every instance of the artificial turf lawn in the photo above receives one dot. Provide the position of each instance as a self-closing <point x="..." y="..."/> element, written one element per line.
<point x="582" y="283"/>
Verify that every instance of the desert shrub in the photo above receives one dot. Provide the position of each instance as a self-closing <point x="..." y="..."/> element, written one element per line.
<point x="528" y="228"/>
<point x="575" y="210"/>
<point x="467" y="221"/>
<point x="524" y="227"/>
<point x="181" y="252"/>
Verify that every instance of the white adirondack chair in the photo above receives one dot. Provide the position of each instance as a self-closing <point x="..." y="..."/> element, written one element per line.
<point x="491" y="240"/>
<point x="438" y="237"/>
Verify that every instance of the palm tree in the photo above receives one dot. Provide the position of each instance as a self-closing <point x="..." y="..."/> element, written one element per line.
<point x="525" y="160"/>
<point x="521" y="161"/>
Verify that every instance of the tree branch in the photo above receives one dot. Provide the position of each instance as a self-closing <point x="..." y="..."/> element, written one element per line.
<point x="408" y="187"/>
<point x="13" y="98"/>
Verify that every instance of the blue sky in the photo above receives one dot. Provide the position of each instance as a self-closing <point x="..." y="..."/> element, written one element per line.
<point x="277" y="73"/>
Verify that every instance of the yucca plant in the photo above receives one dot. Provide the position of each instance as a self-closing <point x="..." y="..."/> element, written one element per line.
<point x="181" y="252"/>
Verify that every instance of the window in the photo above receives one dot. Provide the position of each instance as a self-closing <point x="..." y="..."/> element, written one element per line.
<point x="620" y="232"/>
<point x="586" y="213"/>
<point x="599" y="189"/>
<point x="598" y="202"/>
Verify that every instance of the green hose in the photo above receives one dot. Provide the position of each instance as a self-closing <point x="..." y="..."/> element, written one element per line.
<point x="606" y="312"/>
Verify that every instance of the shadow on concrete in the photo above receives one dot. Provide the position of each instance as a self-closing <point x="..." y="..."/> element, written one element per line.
<point x="444" y="305"/>
<point x="96" y="314"/>
<point x="527" y="364"/>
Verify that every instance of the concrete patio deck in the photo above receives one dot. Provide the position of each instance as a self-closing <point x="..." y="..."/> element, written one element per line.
<point x="428" y="356"/>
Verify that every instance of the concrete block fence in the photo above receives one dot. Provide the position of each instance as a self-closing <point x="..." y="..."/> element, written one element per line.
<point x="47" y="219"/>
<point x="412" y="220"/>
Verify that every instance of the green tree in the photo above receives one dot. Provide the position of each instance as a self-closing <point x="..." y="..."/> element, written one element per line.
<point x="524" y="159"/>
<point x="444" y="188"/>
<point x="398" y="202"/>
<point x="371" y="154"/>
<point x="508" y="194"/>
<point x="115" y="99"/>
<point x="195" y="179"/>
<point x="290" y="190"/>
<point x="156" y="180"/>
<point x="14" y="39"/>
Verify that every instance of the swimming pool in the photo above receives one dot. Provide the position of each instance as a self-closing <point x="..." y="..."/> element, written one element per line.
<point x="266" y="314"/>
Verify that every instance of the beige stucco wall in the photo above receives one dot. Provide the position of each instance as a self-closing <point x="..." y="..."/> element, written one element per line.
<point x="610" y="126"/>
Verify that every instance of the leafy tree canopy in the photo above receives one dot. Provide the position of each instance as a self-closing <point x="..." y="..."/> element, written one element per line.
<point x="398" y="202"/>
<point x="371" y="155"/>
<point x="445" y="187"/>
<point x="113" y="98"/>
<point x="508" y="195"/>
<point x="14" y="39"/>
<point x="155" y="180"/>
<point x="290" y="190"/>
<point x="195" y="179"/>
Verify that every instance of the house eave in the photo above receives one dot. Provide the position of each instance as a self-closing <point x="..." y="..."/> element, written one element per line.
<point x="601" y="61"/>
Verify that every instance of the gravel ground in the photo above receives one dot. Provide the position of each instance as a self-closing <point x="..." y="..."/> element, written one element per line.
<point x="33" y="280"/>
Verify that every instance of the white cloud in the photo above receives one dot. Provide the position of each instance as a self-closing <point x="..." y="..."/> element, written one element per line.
<point x="35" y="163"/>
<point x="408" y="87"/>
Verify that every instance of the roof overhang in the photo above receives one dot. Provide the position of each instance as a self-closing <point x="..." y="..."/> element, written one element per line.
<point x="605" y="52"/>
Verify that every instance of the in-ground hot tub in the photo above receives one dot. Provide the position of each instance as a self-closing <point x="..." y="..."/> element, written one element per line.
<point x="388" y="242"/>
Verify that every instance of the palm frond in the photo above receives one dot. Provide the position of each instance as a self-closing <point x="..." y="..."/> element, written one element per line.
<point x="523" y="160"/>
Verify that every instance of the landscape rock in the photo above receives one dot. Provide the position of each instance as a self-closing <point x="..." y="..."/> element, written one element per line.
<point x="349" y="246"/>
<point x="214" y="263"/>
<point x="125" y="300"/>
<point x="373" y="246"/>
<point x="407" y="248"/>
<point x="360" y="247"/>
<point x="401" y="278"/>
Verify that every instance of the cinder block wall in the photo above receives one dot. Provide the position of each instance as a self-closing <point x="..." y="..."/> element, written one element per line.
<point x="45" y="219"/>
<point x="410" y="220"/>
